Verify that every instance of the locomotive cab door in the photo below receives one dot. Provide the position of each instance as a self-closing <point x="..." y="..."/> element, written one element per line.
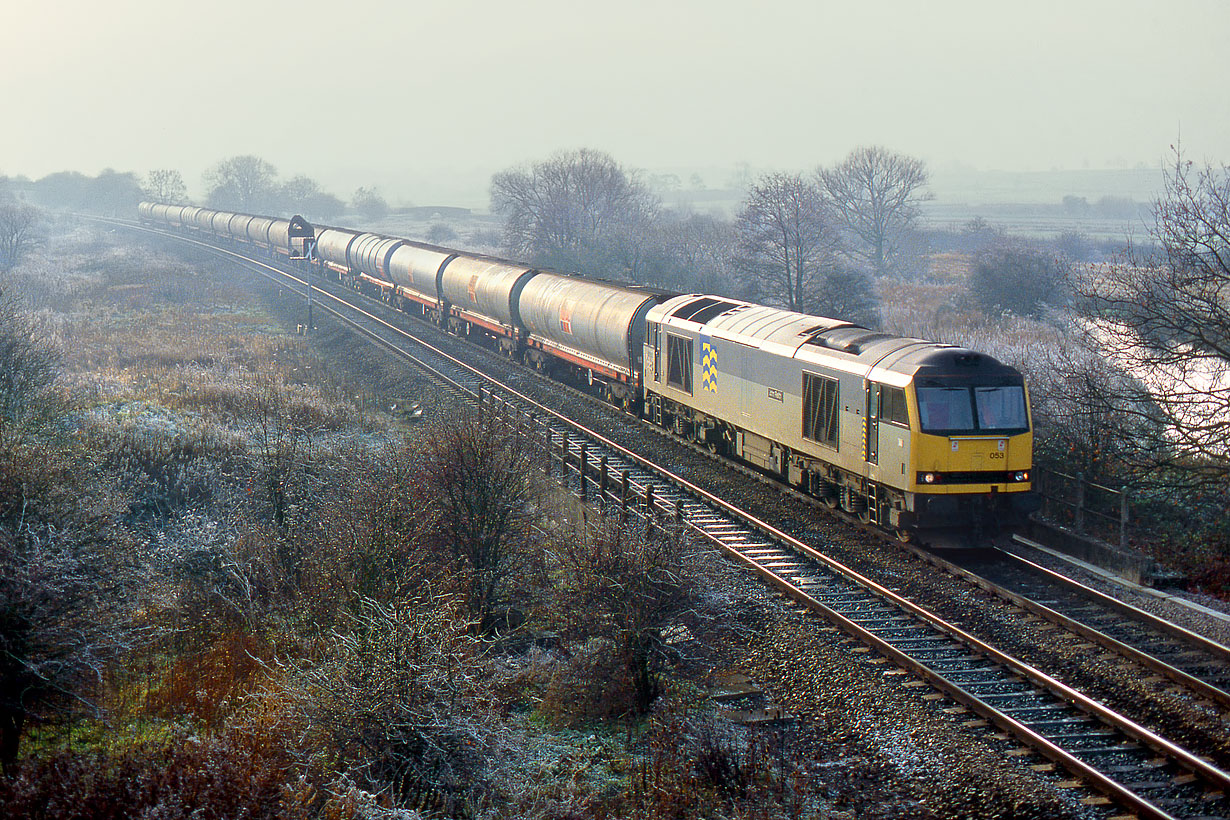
<point x="655" y="341"/>
<point x="871" y="425"/>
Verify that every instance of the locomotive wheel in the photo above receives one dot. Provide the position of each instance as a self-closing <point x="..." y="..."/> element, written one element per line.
<point x="903" y="535"/>
<point x="829" y="501"/>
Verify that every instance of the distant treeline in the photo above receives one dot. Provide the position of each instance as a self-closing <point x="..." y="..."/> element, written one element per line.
<point x="110" y="193"/>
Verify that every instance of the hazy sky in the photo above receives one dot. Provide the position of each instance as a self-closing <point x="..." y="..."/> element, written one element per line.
<point x="353" y="92"/>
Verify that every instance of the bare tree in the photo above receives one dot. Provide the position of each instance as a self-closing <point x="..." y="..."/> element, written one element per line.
<point x="66" y="609"/>
<point x="478" y="476"/>
<point x="875" y="195"/>
<point x="20" y="232"/>
<point x="848" y="293"/>
<point x="304" y="196"/>
<point x="397" y="698"/>
<point x="624" y="586"/>
<point x="438" y="233"/>
<point x="165" y="185"/>
<point x="577" y="210"/>
<point x="283" y="443"/>
<point x="690" y="252"/>
<point x="381" y="518"/>
<point x="244" y="183"/>
<point x="1076" y="428"/>
<point x="1162" y="313"/>
<point x="110" y="192"/>
<point x="66" y="591"/>
<point x="786" y="240"/>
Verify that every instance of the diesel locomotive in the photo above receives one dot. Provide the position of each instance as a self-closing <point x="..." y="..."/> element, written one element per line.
<point x="914" y="436"/>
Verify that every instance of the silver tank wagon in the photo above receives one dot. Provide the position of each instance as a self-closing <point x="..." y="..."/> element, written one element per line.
<point x="415" y="268"/>
<point x="485" y="289"/>
<point x="601" y="321"/>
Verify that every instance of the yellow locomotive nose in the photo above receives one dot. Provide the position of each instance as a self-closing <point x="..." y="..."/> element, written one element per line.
<point x="977" y="454"/>
<point x="974" y="463"/>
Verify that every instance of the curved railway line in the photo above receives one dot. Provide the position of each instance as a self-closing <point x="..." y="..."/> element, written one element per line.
<point x="1136" y="768"/>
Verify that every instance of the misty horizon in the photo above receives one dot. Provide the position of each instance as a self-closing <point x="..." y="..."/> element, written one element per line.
<point x="426" y="102"/>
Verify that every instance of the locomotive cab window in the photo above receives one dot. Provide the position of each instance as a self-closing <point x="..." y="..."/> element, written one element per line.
<point x="892" y="406"/>
<point x="944" y="409"/>
<point x="965" y="410"/>
<point x="820" y="409"/>
<point x="1001" y="408"/>
<point x="679" y="363"/>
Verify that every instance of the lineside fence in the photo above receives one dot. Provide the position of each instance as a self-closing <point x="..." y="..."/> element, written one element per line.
<point x="1086" y="507"/>
<point x="569" y="458"/>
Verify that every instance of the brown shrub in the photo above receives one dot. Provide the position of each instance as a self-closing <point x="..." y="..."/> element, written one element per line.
<point x="698" y="763"/>
<point x="477" y="477"/>
<point x="364" y="537"/>
<point x="210" y="685"/>
<point x="236" y="775"/>
<point x="592" y="683"/>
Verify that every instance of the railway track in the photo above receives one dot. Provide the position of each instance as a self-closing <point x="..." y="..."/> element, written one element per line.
<point x="1136" y="768"/>
<point x="1188" y="659"/>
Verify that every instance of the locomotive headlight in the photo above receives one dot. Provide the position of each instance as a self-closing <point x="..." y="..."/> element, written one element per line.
<point x="929" y="478"/>
<point x="1021" y="475"/>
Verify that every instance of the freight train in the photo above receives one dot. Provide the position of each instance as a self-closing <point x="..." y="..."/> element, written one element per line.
<point x="917" y="437"/>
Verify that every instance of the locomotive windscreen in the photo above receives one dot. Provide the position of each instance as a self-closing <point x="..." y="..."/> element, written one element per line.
<point x="966" y="410"/>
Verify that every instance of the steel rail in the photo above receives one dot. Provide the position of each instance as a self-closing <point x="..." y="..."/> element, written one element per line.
<point x="1132" y="653"/>
<point x="1096" y="778"/>
<point x="1046" y="747"/>
<point x="1195" y="639"/>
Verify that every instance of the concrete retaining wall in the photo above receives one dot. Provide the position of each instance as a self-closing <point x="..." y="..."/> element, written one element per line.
<point x="1130" y="565"/>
